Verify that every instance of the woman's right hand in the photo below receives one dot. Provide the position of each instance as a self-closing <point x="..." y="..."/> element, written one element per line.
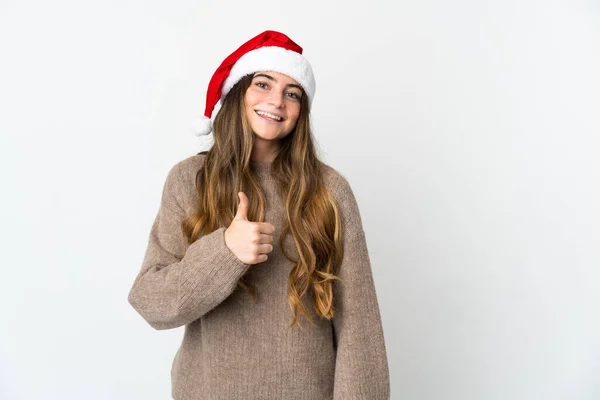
<point x="249" y="241"/>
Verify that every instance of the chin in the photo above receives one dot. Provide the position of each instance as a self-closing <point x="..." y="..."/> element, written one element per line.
<point x="267" y="136"/>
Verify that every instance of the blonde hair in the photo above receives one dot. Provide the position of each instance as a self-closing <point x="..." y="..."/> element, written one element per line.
<point x="312" y="215"/>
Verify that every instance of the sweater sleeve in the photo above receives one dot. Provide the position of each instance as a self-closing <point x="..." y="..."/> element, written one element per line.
<point x="361" y="368"/>
<point x="179" y="283"/>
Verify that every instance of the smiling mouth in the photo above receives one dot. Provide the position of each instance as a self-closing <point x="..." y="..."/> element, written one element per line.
<point x="269" y="116"/>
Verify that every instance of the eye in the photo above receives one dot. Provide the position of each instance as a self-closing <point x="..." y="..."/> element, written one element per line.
<point x="294" y="95"/>
<point x="261" y="85"/>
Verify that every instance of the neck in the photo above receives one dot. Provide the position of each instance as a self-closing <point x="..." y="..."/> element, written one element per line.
<point x="264" y="151"/>
<point x="261" y="168"/>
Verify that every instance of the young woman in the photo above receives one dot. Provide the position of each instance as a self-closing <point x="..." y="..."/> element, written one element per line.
<point x="255" y="231"/>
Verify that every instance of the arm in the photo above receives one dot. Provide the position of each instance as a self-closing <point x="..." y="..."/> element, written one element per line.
<point x="361" y="369"/>
<point x="178" y="283"/>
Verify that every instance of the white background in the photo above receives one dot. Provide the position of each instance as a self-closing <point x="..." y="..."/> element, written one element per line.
<point x="467" y="129"/>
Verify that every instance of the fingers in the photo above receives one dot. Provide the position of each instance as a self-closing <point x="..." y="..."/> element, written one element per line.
<point x="264" y="238"/>
<point x="265" y="228"/>
<point x="242" y="210"/>
<point x="264" y="248"/>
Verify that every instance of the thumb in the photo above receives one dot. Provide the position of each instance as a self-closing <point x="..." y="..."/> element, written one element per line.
<point x="242" y="211"/>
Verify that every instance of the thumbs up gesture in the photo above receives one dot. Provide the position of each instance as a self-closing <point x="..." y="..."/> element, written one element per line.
<point x="249" y="241"/>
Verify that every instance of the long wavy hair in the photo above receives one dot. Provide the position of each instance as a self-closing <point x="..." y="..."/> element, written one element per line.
<point x="312" y="215"/>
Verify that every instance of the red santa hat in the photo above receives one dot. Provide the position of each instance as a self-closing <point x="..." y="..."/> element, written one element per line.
<point x="268" y="51"/>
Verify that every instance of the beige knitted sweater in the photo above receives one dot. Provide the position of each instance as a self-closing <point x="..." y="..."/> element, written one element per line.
<point x="235" y="349"/>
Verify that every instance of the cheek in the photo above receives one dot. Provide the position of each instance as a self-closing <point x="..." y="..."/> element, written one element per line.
<point x="250" y="99"/>
<point x="255" y="97"/>
<point x="293" y="115"/>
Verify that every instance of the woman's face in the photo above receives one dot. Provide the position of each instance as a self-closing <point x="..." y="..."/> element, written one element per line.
<point x="272" y="104"/>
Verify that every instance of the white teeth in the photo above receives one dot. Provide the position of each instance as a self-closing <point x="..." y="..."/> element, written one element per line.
<point x="266" y="114"/>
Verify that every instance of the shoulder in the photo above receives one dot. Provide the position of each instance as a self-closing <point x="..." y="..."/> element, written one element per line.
<point x="335" y="180"/>
<point x="340" y="189"/>
<point x="188" y="168"/>
<point x="180" y="184"/>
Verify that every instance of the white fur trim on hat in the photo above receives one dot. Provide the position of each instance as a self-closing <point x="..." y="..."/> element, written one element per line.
<point x="273" y="58"/>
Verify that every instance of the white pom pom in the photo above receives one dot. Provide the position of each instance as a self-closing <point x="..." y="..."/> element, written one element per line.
<point x="202" y="126"/>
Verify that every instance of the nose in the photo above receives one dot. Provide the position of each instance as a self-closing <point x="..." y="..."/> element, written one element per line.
<point x="276" y="98"/>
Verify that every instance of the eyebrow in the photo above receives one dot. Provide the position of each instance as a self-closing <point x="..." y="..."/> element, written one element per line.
<point x="275" y="80"/>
